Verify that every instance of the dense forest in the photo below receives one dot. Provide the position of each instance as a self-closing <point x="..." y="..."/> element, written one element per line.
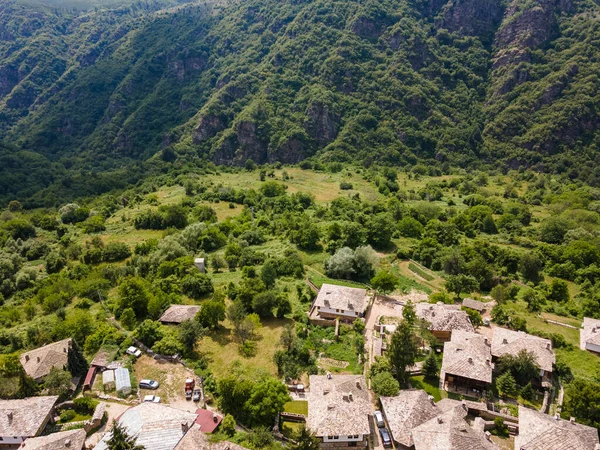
<point x="88" y="91"/>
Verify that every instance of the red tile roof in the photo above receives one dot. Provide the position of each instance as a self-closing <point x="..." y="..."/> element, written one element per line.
<point x="89" y="378"/>
<point x="206" y="421"/>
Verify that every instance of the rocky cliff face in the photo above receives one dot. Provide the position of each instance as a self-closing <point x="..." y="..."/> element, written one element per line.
<point x="471" y="17"/>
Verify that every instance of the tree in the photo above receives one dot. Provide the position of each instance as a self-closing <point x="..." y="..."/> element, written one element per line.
<point x="522" y="367"/>
<point x="506" y="385"/>
<point x="148" y="332"/>
<point x="385" y="385"/>
<point x="305" y="440"/>
<point x="197" y="285"/>
<point x="582" y="401"/>
<point x="266" y="402"/>
<point x="264" y="303"/>
<point x="500" y="429"/>
<point x="268" y="273"/>
<point x="461" y="283"/>
<point x="217" y="262"/>
<point x="211" y="313"/>
<point x="553" y="230"/>
<point x="403" y="351"/>
<point x="128" y="319"/>
<point x="133" y="294"/>
<point x="15" y="206"/>
<point x="559" y="291"/>
<point x="58" y="382"/>
<point x="385" y="282"/>
<point x="341" y="264"/>
<point x="430" y="366"/>
<point x="228" y="425"/>
<point x="530" y="266"/>
<point x="379" y="230"/>
<point x="120" y="440"/>
<point x="55" y="262"/>
<point x="410" y="227"/>
<point x="168" y="345"/>
<point x="189" y="332"/>
<point x="247" y="328"/>
<point x="474" y="317"/>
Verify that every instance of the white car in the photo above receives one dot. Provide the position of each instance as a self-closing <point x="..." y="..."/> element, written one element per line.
<point x="134" y="351"/>
<point x="152" y="399"/>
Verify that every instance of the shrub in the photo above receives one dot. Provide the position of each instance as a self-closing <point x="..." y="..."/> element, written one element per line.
<point x="346" y="186"/>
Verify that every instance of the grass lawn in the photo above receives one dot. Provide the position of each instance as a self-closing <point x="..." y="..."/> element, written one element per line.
<point x="319" y="279"/>
<point x="221" y="348"/>
<point x="291" y="428"/>
<point x="296" y="407"/>
<point x="429" y="386"/>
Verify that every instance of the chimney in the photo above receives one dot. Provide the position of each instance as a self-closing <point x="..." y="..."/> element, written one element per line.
<point x="470" y="360"/>
<point x="431" y="399"/>
<point x="548" y="346"/>
<point x="358" y="384"/>
<point x="463" y="403"/>
<point x="486" y="341"/>
<point x="572" y="420"/>
<point x="488" y="436"/>
<point x="64" y="349"/>
<point x="325" y="391"/>
<point x="38" y="359"/>
<point x="487" y="362"/>
<point x="504" y="341"/>
<point x="10" y="416"/>
<point x="67" y="443"/>
<point x="184" y="427"/>
<point x="329" y="375"/>
<point x="350" y="396"/>
<point x="26" y="358"/>
<point x="440" y="420"/>
<point x="215" y="418"/>
<point x="556" y="416"/>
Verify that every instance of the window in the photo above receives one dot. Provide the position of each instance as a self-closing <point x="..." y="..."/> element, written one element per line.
<point x="330" y="437"/>
<point x="336" y="437"/>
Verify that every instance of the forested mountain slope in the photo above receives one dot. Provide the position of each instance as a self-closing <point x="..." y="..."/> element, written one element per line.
<point x="390" y="81"/>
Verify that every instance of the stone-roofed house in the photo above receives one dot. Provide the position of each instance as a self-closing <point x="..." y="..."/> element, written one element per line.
<point x="509" y="342"/>
<point x="467" y="363"/>
<point x="24" y="418"/>
<point x="339" y="302"/>
<point x="539" y="431"/>
<point x="444" y="319"/>
<point x="474" y="304"/>
<point x="408" y="410"/>
<point x="338" y="410"/>
<point x="451" y="431"/>
<point x="156" y="426"/>
<point x="176" y="314"/>
<point x="39" y="362"/>
<point x="589" y="335"/>
<point x="64" y="440"/>
<point x="195" y="439"/>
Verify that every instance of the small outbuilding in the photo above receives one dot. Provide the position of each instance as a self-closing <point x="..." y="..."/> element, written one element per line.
<point x="200" y="264"/>
<point x="108" y="380"/>
<point x="122" y="381"/>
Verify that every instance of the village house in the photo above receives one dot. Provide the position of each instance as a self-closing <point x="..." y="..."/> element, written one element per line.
<point x="63" y="440"/>
<point x="409" y="409"/>
<point x="176" y="314"/>
<point x="338" y="410"/>
<point x="509" y="342"/>
<point x="339" y="302"/>
<point x="157" y="426"/>
<point x="451" y="431"/>
<point x="538" y="431"/>
<point x="39" y="362"/>
<point x="24" y="418"/>
<point x="589" y="335"/>
<point x="444" y="319"/>
<point x="474" y="304"/>
<point x="466" y="364"/>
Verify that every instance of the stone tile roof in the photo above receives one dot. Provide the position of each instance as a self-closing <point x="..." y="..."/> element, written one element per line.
<point x="179" y="313"/>
<point x="38" y="363"/>
<point x="509" y="342"/>
<point x="590" y="333"/>
<point x="156" y="426"/>
<point x="25" y="417"/>
<point x="444" y="317"/>
<point x="339" y="405"/>
<point x="103" y="358"/>
<point x="408" y="410"/>
<point x="450" y="431"/>
<point x="195" y="439"/>
<point x="539" y="431"/>
<point x="468" y="355"/>
<point x="474" y="304"/>
<point x="342" y="297"/>
<point x="64" y="440"/>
